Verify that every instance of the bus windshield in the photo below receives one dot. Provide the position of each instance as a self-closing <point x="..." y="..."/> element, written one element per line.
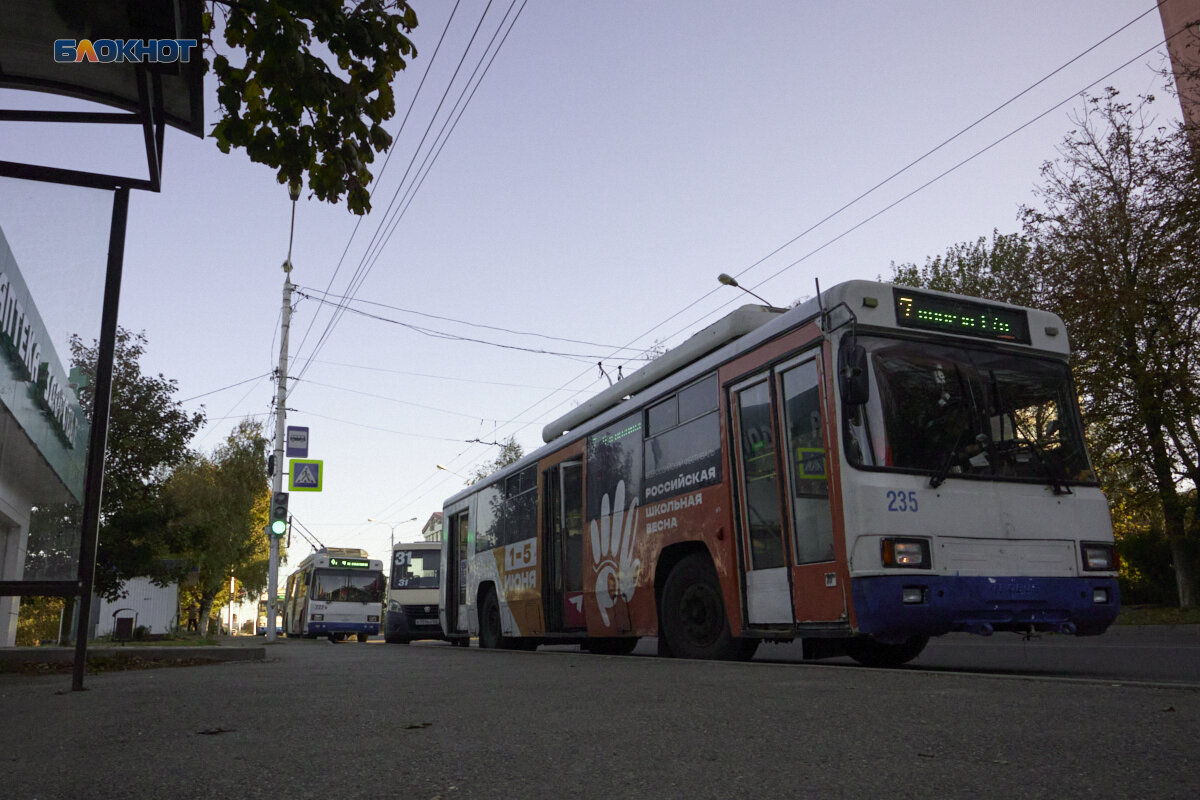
<point x="415" y="569"/>
<point x="345" y="585"/>
<point x="958" y="411"/>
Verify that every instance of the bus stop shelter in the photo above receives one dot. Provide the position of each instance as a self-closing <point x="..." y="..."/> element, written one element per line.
<point x="132" y="57"/>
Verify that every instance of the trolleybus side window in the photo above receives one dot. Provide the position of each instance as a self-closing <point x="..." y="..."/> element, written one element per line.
<point x="614" y="455"/>
<point x="520" y="506"/>
<point x="490" y="513"/>
<point x="683" y="441"/>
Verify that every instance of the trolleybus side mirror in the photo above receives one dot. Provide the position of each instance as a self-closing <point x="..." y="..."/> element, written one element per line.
<point x="852" y="374"/>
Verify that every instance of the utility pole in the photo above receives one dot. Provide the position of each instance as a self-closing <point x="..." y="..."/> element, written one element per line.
<point x="280" y="424"/>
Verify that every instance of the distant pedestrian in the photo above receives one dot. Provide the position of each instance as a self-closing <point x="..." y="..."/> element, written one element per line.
<point x="193" y="623"/>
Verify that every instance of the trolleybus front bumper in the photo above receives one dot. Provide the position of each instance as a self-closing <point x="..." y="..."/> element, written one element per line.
<point x="894" y="608"/>
<point x="324" y="628"/>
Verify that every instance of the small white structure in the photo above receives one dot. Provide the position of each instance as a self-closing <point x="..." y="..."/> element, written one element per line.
<point x="144" y="605"/>
<point x="432" y="532"/>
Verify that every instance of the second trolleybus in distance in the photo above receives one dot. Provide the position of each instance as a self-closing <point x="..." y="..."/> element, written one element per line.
<point x="335" y="592"/>
<point x="412" y="600"/>
<point x="874" y="467"/>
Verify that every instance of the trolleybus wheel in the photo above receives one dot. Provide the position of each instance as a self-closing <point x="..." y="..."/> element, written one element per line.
<point x="871" y="653"/>
<point x="491" y="635"/>
<point x="362" y="638"/>
<point x="693" y="612"/>
<point x="615" y="646"/>
<point x="461" y="642"/>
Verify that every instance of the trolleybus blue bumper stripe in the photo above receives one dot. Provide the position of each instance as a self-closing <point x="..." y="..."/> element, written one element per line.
<point x="344" y="627"/>
<point x="1083" y="606"/>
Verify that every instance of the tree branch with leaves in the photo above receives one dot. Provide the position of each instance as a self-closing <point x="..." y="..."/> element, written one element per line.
<point x="306" y="85"/>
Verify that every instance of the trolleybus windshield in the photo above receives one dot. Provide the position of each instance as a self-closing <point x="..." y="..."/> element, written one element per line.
<point x="960" y="411"/>
<point x="355" y="586"/>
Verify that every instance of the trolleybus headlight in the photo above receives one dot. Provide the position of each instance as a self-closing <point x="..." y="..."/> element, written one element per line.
<point x="1098" y="556"/>
<point x="912" y="595"/>
<point x="905" y="553"/>
<point x="394" y="606"/>
<point x="318" y="617"/>
<point x="1100" y="595"/>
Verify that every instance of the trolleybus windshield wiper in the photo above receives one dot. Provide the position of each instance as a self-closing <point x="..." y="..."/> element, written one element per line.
<point x="1058" y="481"/>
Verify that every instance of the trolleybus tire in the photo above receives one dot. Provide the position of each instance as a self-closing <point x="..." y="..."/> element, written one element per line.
<point x="614" y="646"/>
<point x="871" y="653"/>
<point x="693" y="612"/>
<point x="491" y="634"/>
<point x="362" y="638"/>
<point x="461" y="642"/>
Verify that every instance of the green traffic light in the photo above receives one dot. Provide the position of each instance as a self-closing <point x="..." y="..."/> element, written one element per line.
<point x="279" y="527"/>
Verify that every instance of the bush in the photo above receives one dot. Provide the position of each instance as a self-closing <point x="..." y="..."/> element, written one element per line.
<point x="38" y="620"/>
<point x="1147" y="574"/>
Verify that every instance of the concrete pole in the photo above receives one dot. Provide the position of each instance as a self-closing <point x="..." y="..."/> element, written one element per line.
<point x="280" y="433"/>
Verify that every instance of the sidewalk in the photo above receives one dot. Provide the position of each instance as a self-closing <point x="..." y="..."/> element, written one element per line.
<point x="110" y="654"/>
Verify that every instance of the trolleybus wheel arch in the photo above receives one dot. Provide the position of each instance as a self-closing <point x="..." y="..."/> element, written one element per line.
<point x="871" y="653"/>
<point x="491" y="634"/>
<point x="692" y="612"/>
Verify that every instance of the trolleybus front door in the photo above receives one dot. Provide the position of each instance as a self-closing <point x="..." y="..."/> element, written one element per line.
<point x="768" y="596"/>
<point x="816" y="591"/>
<point x="787" y="531"/>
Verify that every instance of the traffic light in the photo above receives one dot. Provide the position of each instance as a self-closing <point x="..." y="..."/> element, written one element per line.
<point x="279" y="503"/>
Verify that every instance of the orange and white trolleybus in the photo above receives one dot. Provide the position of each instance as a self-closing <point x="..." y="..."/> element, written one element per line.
<point x="874" y="467"/>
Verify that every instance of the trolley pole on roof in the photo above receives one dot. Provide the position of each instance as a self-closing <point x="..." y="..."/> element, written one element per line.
<point x="280" y="427"/>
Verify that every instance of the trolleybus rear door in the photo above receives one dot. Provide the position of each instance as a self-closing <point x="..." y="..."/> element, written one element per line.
<point x="817" y="595"/>
<point x="562" y="489"/>
<point x="768" y="595"/>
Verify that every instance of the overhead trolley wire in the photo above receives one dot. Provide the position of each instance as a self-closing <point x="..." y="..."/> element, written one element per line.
<point x="344" y="299"/>
<point x="460" y="107"/>
<point x="907" y="167"/>
<point x="870" y="191"/>
<point x="386" y="161"/>
<point x="923" y="186"/>
<point x="362" y="270"/>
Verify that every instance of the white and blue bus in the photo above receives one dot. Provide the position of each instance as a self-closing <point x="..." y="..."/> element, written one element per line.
<point x="874" y="467"/>
<point x="335" y="593"/>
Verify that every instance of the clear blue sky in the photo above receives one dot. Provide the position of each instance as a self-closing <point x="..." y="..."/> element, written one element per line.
<point x="616" y="157"/>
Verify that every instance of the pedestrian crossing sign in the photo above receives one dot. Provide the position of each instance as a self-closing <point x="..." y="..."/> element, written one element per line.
<point x="305" y="475"/>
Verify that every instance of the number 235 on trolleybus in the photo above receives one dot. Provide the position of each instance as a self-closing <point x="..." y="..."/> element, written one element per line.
<point x="335" y="592"/>
<point x="874" y="467"/>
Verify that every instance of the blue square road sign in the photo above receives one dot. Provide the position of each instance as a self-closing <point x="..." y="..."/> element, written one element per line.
<point x="305" y="474"/>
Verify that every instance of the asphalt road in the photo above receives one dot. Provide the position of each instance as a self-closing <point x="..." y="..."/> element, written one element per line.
<point x="1125" y="653"/>
<point x="433" y="721"/>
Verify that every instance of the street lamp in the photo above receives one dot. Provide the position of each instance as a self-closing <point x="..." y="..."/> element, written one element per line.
<point x="729" y="280"/>
<point x="452" y="472"/>
<point x="392" y="526"/>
